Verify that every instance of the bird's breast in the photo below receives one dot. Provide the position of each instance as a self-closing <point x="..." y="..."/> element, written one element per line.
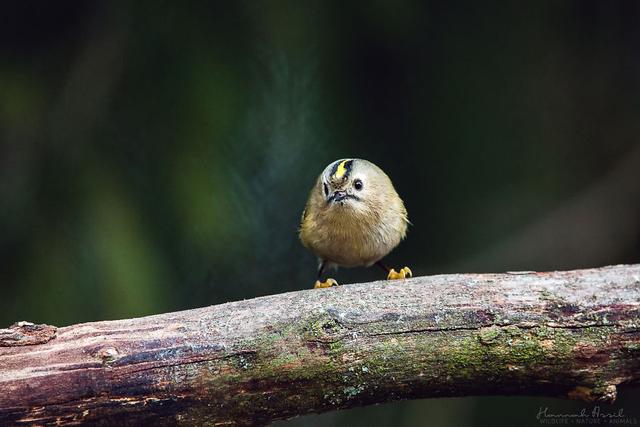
<point x="350" y="238"/>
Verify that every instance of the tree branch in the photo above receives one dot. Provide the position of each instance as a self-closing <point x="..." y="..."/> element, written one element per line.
<point x="574" y="334"/>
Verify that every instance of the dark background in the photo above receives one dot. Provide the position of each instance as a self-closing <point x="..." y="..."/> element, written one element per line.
<point x="156" y="156"/>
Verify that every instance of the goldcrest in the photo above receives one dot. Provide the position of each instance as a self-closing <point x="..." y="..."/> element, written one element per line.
<point x="353" y="218"/>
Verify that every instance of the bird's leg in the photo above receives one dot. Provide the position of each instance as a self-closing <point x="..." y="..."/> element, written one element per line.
<point x="392" y="274"/>
<point x="383" y="266"/>
<point x="327" y="283"/>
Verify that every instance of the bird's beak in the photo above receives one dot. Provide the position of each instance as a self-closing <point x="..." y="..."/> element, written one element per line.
<point x="339" y="196"/>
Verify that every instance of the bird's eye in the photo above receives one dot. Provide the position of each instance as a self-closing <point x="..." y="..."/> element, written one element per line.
<point x="357" y="184"/>
<point x="326" y="189"/>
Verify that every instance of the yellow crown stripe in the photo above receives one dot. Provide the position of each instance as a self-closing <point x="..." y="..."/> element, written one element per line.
<point x="341" y="169"/>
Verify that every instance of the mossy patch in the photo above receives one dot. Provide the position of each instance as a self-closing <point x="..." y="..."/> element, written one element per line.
<point x="490" y="335"/>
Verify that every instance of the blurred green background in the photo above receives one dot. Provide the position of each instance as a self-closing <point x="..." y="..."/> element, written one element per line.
<point x="156" y="156"/>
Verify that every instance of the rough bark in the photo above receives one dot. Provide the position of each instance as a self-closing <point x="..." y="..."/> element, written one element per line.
<point x="574" y="334"/>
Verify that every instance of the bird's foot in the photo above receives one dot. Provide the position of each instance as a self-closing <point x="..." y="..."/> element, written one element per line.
<point x="402" y="274"/>
<point x="326" y="284"/>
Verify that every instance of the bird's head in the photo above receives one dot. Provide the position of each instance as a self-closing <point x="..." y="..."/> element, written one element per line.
<point x="354" y="184"/>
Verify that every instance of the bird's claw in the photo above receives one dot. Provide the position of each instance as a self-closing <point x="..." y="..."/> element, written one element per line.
<point x="404" y="273"/>
<point x="326" y="284"/>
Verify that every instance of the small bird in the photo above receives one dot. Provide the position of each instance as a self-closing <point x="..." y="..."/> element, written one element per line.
<point x="353" y="218"/>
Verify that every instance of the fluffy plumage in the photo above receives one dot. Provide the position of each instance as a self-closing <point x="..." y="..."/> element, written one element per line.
<point x="354" y="216"/>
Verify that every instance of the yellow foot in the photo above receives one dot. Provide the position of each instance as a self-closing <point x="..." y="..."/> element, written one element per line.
<point x="326" y="284"/>
<point x="402" y="274"/>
